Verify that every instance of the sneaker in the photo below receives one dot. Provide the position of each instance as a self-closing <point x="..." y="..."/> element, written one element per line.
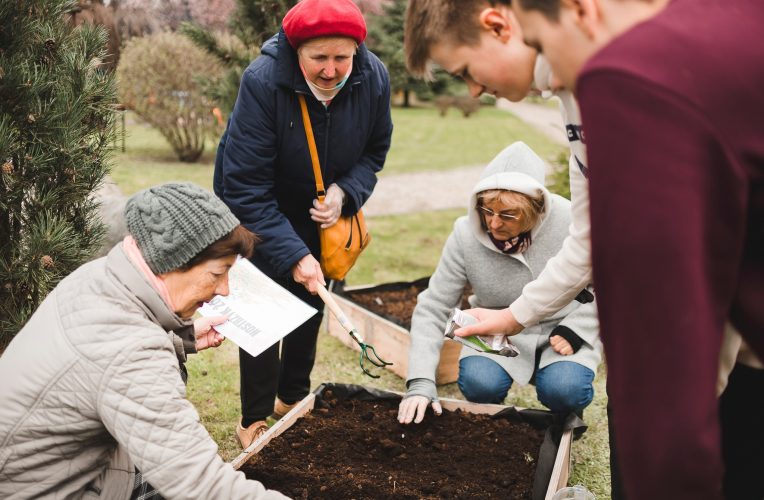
<point x="281" y="408"/>
<point x="250" y="434"/>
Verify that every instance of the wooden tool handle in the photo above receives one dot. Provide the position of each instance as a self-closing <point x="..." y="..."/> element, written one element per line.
<point x="334" y="307"/>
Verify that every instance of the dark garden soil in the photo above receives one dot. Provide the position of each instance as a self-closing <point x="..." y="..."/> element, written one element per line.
<point x="357" y="449"/>
<point x="397" y="305"/>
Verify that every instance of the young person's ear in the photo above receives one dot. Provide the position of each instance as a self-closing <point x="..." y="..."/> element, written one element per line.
<point x="497" y="22"/>
<point x="586" y="14"/>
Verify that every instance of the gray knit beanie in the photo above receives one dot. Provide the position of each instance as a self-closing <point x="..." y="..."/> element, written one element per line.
<point x="172" y="223"/>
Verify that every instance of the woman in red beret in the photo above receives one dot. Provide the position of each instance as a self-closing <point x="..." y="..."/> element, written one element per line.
<point x="263" y="172"/>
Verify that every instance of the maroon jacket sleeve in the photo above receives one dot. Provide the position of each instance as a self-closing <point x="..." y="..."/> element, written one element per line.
<point x="668" y="213"/>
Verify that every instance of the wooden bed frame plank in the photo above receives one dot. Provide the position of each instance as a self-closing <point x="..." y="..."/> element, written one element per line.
<point x="391" y="341"/>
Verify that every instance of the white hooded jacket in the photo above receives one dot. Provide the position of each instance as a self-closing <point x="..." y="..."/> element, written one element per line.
<point x="570" y="271"/>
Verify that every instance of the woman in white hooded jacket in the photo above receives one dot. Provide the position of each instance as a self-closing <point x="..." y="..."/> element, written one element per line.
<point x="514" y="226"/>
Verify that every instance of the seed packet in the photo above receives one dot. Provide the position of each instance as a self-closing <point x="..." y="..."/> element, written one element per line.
<point x="493" y="344"/>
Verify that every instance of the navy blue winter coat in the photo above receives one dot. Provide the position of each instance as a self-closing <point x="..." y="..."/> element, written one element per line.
<point x="263" y="170"/>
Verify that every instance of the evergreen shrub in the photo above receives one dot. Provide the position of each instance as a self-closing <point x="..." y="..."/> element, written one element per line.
<point x="56" y="132"/>
<point x="252" y="23"/>
<point x="158" y="78"/>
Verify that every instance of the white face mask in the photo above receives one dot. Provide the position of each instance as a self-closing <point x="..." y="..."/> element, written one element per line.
<point x="324" y="94"/>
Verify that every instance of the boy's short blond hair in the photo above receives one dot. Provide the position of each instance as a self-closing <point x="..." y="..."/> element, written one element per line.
<point x="432" y="21"/>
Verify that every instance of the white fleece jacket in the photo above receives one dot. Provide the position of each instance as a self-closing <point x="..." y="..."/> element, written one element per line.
<point x="570" y="271"/>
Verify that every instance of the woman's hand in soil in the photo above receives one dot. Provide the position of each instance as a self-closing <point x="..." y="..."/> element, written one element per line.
<point x="560" y="345"/>
<point x="308" y="273"/>
<point x="205" y="333"/>
<point x="415" y="407"/>
<point x="328" y="212"/>
<point x="490" y="322"/>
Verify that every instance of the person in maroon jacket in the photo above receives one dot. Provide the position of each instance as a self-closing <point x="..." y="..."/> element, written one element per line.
<point x="673" y="113"/>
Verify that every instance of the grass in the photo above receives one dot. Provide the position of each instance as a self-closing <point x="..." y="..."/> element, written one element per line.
<point x="149" y="160"/>
<point x="404" y="247"/>
<point x="422" y="140"/>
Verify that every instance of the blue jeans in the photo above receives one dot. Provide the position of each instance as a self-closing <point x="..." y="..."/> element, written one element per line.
<point x="563" y="386"/>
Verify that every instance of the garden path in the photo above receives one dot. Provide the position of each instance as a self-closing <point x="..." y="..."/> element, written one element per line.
<point x="401" y="193"/>
<point x="424" y="191"/>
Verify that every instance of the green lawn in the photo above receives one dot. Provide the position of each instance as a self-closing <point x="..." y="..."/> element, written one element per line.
<point x="422" y="140"/>
<point x="404" y="247"/>
<point x="149" y="160"/>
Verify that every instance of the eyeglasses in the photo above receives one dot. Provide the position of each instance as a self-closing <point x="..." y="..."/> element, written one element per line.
<point x="490" y="213"/>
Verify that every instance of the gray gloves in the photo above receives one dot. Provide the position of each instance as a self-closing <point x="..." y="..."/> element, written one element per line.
<point x="422" y="387"/>
<point x="421" y="393"/>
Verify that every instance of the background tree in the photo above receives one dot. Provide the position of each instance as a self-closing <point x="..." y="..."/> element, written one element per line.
<point x="370" y="6"/>
<point x="157" y="79"/>
<point x="95" y="12"/>
<point x="255" y="21"/>
<point x="125" y="19"/>
<point x="133" y="21"/>
<point x="386" y="41"/>
<point x="168" y="14"/>
<point x="212" y="14"/>
<point x="56" y="126"/>
<point x="252" y="23"/>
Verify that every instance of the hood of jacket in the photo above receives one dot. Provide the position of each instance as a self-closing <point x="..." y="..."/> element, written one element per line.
<point x="180" y="331"/>
<point x="516" y="168"/>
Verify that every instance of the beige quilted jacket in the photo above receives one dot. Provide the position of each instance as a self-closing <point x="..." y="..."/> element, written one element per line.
<point x="91" y="388"/>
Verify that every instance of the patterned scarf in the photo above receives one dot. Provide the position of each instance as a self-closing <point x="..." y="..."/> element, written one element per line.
<point x="519" y="243"/>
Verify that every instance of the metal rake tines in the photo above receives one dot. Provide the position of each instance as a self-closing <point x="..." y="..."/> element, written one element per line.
<point x="374" y="359"/>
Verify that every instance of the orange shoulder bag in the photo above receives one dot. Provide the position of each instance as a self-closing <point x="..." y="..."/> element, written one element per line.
<point x="342" y="243"/>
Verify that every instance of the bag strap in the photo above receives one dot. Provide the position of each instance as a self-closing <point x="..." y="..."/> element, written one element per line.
<point x="320" y="191"/>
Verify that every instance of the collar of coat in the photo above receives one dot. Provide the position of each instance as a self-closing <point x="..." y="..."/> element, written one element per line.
<point x="124" y="271"/>
<point x="288" y="72"/>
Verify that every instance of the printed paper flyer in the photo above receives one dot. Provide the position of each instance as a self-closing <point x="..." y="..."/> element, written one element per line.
<point x="260" y="312"/>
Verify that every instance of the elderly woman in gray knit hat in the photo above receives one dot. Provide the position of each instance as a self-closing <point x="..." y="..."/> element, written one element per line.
<point x="97" y="405"/>
<point x="514" y="226"/>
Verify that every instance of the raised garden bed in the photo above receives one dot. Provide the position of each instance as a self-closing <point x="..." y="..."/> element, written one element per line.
<point x="344" y="441"/>
<point x="382" y="313"/>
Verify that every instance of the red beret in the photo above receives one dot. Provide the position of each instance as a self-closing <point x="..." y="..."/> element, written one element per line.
<point x="315" y="18"/>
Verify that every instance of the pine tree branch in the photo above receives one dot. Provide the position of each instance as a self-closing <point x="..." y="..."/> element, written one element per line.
<point x="206" y="40"/>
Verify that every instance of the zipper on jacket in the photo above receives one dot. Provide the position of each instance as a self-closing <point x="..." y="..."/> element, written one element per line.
<point x="326" y="141"/>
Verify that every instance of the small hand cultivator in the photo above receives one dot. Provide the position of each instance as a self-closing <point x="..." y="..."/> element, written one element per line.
<point x="367" y="350"/>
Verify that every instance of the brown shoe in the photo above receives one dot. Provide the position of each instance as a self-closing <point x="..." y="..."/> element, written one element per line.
<point x="280" y="409"/>
<point x="250" y="434"/>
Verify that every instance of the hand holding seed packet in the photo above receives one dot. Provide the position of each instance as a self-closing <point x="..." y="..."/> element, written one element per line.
<point x="492" y="344"/>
